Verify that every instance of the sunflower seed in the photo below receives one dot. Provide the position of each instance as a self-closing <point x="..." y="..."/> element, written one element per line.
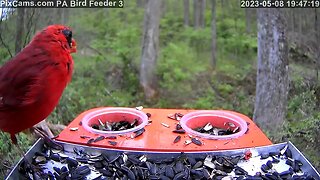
<point x="100" y="138"/>
<point x="111" y="137"/>
<point x="180" y="131"/>
<point x="138" y="133"/>
<point x="177" y="139"/>
<point x="113" y="143"/>
<point x="90" y="141"/>
<point x="196" y="141"/>
<point x="84" y="137"/>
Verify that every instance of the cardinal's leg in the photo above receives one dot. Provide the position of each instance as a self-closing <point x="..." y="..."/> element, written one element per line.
<point x="15" y="142"/>
<point x="25" y="166"/>
<point x="47" y="140"/>
<point x="43" y="126"/>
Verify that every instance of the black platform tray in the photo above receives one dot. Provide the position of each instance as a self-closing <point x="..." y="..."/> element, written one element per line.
<point x="252" y="166"/>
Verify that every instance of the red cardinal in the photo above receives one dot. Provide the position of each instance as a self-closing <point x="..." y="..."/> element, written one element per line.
<point x="32" y="82"/>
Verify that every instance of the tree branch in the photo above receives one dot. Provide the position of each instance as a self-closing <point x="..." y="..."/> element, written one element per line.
<point x="95" y="50"/>
<point x="29" y="25"/>
<point x="113" y="98"/>
<point x="1" y="39"/>
<point x="5" y="45"/>
<point x="215" y="90"/>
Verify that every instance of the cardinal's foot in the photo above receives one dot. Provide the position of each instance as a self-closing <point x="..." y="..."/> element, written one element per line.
<point x="47" y="140"/>
<point x="43" y="127"/>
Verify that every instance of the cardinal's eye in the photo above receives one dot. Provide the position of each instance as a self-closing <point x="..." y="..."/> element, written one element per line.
<point x="68" y="34"/>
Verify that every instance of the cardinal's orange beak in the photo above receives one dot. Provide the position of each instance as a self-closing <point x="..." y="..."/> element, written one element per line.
<point x="73" y="48"/>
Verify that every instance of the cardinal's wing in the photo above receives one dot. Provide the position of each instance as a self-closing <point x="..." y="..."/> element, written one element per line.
<point x="19" y="80"/>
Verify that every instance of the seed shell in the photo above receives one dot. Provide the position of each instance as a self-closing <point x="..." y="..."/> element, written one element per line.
<point x="101" y="123"/>
<point x="139" y="108"/>
<point x="165" y="125"/>
<point x="187" y="142"/>
<point x="207" y="127"/>
<point x="74" y="129"/>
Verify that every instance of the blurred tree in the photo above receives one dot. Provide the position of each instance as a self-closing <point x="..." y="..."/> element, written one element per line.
<point x="290" y="17"/>
<point x="140" y="3"/>
<point x="213" y="34"/>
<point x="186" y="12"/>
<point x="222" y="8"/>
<point x="62" y="15"/>
<point x="164" y="7"/>
<point x="317" y="38"/>
<point x="249" y="13"/>
<point x="5" y="13"/>
<point x="20" y="29"/>
<point x="31" y="17"/>
<point x="272" y="70"/>
<point x="65" y="15"/>
<point x="198" y="13"/>
<point x="202" y="13"/>
<point x="150" y="46"/>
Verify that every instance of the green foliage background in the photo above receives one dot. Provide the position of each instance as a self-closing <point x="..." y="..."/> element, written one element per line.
<point x="107" y="72"/>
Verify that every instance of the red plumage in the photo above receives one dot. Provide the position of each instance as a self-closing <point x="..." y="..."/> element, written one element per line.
<point x="32" y="82"/>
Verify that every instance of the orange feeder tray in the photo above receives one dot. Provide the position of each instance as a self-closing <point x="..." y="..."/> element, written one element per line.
<point x="158" y="137"/>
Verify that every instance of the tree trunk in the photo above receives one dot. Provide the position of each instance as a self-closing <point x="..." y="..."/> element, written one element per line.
<point x="213" y="34"/>
<point x="20" y="29"/>
<point x="176" y="8"/>
<point x="196" y="14"/>
<point x="317" y="36"/>
<point x="222" y="8"/>
<point x="299" y="21"/>
<point x="248" y="20"/>
<point x="272" y="71"/>
<point x="186" y="12"/>
<point x="291" y="20"/>
<point x="65" y="15"/>
<point x="58" y="15"/>
<point x="150" y="45"/>
<point x="140" y="3"/>
<point x="202" y="9"/>
<point x="164" y="8"/>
